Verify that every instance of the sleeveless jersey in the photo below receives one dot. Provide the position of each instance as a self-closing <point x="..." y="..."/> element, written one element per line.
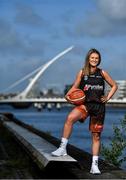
<point x="93" y="86"/>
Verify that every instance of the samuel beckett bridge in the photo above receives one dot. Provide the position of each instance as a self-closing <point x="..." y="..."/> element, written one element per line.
<point x="22" y="100"/>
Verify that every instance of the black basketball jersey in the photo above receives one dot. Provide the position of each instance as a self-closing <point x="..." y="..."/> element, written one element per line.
<point x="93" y="86"/>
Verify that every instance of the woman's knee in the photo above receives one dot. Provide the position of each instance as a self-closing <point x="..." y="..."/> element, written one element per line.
<point x="70" y="119"/>
<point x="96" y="136"/>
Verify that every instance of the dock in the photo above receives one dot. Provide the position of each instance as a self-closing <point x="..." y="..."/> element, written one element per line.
<point x="38" y="145"/>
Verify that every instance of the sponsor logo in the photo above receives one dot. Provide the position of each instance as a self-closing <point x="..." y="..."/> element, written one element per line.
<point x="92" y="87"/>
<point x="99" y="76"/>
<point x="98" y="127"/>
<point x="92" y="75"/>
<point x="85" y="78"/>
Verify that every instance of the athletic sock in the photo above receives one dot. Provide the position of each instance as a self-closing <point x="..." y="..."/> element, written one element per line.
<point x="64" y="142"/>
<point x="95" y="160"/>
<point x="94" y="166"/>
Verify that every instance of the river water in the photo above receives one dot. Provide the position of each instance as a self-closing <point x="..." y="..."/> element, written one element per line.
<point x="53" y="121"/>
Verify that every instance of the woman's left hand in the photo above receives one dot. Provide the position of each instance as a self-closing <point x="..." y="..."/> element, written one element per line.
<point x="104" y="99"/>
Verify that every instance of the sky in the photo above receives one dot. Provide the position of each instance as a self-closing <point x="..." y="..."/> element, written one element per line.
<point x="32" y="32"/>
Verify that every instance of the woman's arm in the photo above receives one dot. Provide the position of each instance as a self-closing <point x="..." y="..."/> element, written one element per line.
<point x="75" y="84"/>
<point x="113" y="85"/>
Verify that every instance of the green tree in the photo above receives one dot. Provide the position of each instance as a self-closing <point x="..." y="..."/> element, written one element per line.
<point x="114" y="152"/>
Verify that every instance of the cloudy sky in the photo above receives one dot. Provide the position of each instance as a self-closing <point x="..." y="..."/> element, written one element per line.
<point x="34" y="31"/>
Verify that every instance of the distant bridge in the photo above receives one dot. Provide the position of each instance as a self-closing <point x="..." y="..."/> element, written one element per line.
<point x="39" y="71"/>
<point x="54" y="100"/>
<point x="22" y="98"/>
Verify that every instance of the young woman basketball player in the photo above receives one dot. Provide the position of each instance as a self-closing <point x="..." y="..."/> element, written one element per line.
<point x="91" y="80"/>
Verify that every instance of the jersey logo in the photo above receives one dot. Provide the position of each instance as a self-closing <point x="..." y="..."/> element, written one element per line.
<point x="92" y="75"/>
<point x="99" y="76"/>
<point x="86" y="87"/>
<point x="85" y="78"/>
<point x="92" y="87"/>
<point x="98" y="127"/>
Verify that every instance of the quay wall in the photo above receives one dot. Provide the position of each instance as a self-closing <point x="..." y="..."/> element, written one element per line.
<point x="72" y="171"/>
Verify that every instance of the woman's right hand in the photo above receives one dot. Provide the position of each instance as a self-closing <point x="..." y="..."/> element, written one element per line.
<point x="104" y="99"/>
<point x="74" y="86"/>
<point x="68" y="99"/>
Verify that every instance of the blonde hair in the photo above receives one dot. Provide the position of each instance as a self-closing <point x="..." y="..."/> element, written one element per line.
<point x="86" y="68"/>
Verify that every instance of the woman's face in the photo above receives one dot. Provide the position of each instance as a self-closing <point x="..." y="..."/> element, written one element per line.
<point x="94" y="59"/>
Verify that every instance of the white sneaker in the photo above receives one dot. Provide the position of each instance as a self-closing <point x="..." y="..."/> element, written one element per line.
<point x="95" y="169"/>
<point x="59" y="152"/>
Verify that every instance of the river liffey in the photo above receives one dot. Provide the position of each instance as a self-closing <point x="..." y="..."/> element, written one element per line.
<point x="53" y="121"/>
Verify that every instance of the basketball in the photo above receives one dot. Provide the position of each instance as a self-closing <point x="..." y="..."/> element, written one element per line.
<point x="77" y="97"/>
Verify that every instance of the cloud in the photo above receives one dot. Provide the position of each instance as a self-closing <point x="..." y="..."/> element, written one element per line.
<point x="35" y="47"/>
<point x="94" y="25"/>
<point x="26" y="15"/>
<point x="108" y="19"/>
<point x="9" y="39"/>
<point x="12" y="44"/>
<point x="115" y="10"/>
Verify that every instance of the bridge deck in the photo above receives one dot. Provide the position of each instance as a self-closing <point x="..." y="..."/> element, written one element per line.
<point x="39" y="147"/>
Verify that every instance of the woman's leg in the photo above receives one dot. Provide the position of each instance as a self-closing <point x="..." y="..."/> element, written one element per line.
<point x="96" y="143"/>
<point x="95" y="152"/>
<point x="76" y="114"/>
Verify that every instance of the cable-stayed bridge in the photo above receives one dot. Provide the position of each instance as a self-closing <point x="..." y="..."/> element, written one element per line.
<point x="39" y="72"/>
<point x="23" y="96"/>
<point x="23" y="99"/>
<point x="50" y="102"/>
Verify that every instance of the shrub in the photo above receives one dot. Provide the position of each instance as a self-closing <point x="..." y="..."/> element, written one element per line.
<point x="114" y="152"/>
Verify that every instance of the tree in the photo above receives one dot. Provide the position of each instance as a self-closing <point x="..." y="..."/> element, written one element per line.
<point x="114" y="153"/>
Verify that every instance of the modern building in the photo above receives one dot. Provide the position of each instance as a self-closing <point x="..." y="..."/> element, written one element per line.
<point x="121" y="92"/>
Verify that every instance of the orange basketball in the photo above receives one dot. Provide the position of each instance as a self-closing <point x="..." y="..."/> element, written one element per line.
<point x="77" y="97"/>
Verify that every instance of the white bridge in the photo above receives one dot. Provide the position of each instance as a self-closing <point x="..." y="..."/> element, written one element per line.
<point x="53" y="100"/>
<point x="23" y="96"/>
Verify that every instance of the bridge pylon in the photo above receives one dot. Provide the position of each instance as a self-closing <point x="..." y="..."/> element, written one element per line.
<point x="26" y="91"/>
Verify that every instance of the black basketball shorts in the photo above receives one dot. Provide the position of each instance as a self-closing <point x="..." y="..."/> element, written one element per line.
<point x="96" y="111"/>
